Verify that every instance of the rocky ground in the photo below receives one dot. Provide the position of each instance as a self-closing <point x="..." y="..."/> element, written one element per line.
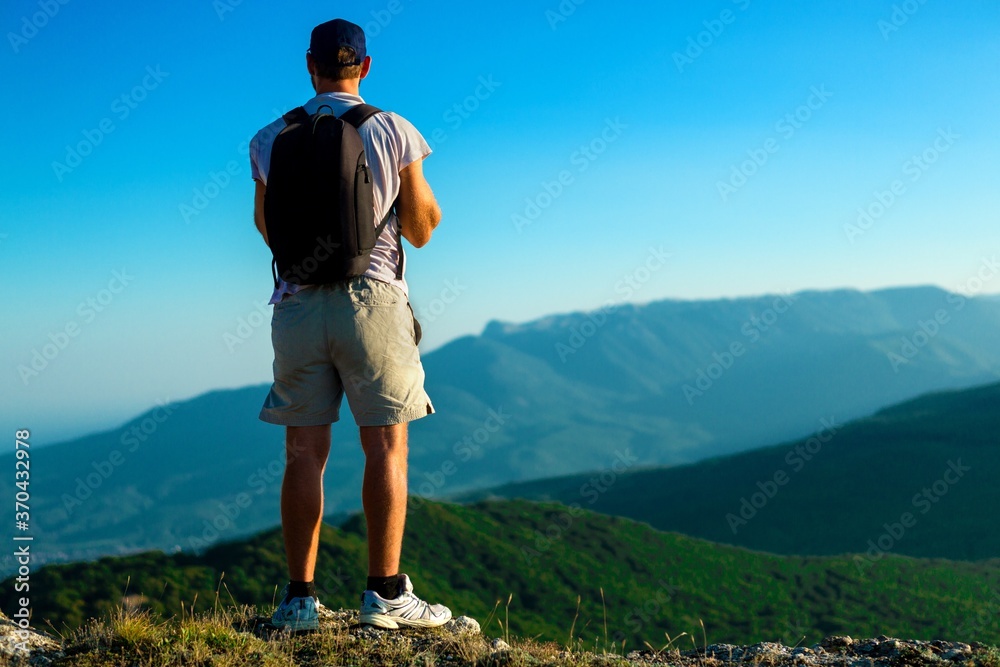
<point x="461" y="643"/>
<point x="838" y="650"/>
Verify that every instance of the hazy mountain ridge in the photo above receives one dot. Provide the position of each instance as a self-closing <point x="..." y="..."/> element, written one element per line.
<point x="845" y="489"/>
<point x="509" y="408"/>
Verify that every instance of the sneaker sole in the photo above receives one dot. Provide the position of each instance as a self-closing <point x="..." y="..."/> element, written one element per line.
<point x="393" y="622"/>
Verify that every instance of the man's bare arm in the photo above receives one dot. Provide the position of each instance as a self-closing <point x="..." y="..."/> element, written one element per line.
<point x="258" y="210"/>
<point x="418" y="210"/>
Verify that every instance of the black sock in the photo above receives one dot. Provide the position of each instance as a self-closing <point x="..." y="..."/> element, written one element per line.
<point x="300" y="589"/>
<point x="387" y="587"/>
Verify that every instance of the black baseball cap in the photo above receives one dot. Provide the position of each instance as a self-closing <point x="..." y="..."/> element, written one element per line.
<point x="327" y="38"/>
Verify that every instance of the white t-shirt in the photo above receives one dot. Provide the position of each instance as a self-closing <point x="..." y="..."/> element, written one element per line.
<point x="391" y="144"/>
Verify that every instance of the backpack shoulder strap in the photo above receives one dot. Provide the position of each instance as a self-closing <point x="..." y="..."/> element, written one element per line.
<point x="399" y="237"/>
<point x="296" y="115"/>
<point x="358" y="114"/>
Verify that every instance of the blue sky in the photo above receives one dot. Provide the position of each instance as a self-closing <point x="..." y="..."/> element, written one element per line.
<point x="742" y="137"/>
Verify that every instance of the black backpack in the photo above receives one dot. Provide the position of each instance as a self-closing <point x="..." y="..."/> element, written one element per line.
<point x="319" y="203"/>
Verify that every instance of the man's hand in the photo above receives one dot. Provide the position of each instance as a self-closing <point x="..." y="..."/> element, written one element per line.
<point x="258" y="210"/>
<point x="417" y="209"/>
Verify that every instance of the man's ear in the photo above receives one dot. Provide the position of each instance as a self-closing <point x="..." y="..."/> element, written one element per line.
<point x="366" y="66"/>
<point x="310" y="64"/>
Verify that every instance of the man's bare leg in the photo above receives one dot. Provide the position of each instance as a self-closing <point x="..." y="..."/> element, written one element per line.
<point x="384" y="496"/>
<point x="306" y="451"/>
<point x="389" y="601"/>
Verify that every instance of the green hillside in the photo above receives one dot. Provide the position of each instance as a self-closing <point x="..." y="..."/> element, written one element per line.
<point x="850" y="486"/>
<point x="513" y="405"/>
<point x="546" y="555"/>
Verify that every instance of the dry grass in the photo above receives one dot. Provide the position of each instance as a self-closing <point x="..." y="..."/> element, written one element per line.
<point x="226" y="637"/>
<point x="233" y="637"/>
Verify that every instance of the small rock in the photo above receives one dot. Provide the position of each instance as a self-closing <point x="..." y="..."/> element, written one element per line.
<point x="499" y="645"/>
<point x="499" y="658"/>
<point x="865" y="646"/>
<point x="889" y="648"/>
<point x="956" y="654"/>
<point x="41" y="649"/>
<point x="463" y="624"/>
<point x="722" y="651"/>
<point x="837" y="641"/>
<point x="369" y="632"/>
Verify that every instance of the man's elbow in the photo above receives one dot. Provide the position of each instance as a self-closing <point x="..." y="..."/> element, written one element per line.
<point x="421" y="238"/>
<point x="421" y="234"/>
<point x="433" y="219"/>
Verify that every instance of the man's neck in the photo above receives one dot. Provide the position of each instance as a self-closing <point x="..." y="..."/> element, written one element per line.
<point x="350" y="86"/>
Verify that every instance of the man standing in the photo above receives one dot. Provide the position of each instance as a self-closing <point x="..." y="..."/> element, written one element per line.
<point x="358" y="337"/>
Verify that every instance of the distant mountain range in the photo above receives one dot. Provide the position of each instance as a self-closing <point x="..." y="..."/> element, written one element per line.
<point x="918" y="479"/>
<point x="666" y="383"/>
<point x="638" y="583"/>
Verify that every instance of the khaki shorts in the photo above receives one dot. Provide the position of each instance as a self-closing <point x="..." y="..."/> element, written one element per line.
<point x="357" y="337"/>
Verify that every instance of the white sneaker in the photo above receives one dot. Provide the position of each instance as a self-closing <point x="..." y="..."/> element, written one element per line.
<point x="406" y="609"/>
<point x="297" y="614"/>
